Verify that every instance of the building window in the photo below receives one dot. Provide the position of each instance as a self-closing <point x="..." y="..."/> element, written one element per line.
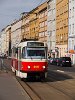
<point x="69" y="29"/>
<point x="41" y="24"/>
<point x="45" y="23"/>
<point x="69" y="45"/>
<point x="73" y="44"/>
<point x="70" y="13"/>
<point x="45" y="13"/>
<point x="69" y="1"/>
<point x="73" y="28"/>
<point x="53" y="11"/>
<point x="73" y="12"/>
<point x="49" y="6"/>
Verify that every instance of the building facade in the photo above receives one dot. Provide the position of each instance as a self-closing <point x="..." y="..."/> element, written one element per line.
<point x="43" y="22"/>
<point x="34" y="23"/>
<point x="51" y="27"/>
<point x="71" y="35"/>
<point x="62" y="27"/>
<point x="8" y="40"/>
<point x="16" y="35"/>
<point x="3" y="42"/>
<point x="25" y="29"/>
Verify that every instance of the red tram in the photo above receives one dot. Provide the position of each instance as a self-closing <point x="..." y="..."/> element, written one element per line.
<point x="30" y="59"/>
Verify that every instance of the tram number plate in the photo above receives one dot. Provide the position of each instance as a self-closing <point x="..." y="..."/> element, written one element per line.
<point x="36" y="66"/>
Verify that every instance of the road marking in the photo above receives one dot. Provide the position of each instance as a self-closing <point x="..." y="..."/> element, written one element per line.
<point x="60" y="71"/>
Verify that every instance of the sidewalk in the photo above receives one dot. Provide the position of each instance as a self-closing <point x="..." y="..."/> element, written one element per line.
<point x="10" y="89"/>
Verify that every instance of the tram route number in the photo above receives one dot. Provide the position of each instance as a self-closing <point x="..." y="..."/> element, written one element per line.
<point x="36" y="66"/>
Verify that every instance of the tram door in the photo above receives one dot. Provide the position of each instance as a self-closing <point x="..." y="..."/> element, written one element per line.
<point x="19" y="58"/>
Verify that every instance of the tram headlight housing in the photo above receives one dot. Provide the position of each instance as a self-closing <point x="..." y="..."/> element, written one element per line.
<point x="29" y="67"/>
<point x="44" y="67"/>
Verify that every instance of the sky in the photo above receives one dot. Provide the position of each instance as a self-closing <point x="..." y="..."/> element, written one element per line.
<point x="12" y="9"/>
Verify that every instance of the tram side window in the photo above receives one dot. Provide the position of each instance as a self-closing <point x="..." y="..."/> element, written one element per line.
<point x="23" y="53"/>
<point x="19" y="52"/>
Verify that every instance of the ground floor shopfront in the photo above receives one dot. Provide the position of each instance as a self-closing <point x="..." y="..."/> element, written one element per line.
<point x="61" y="51"/>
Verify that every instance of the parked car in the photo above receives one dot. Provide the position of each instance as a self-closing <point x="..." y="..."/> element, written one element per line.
<point x="55" y="61"/>
<point x="51" y="60"/>
<point x="64" y="61"/>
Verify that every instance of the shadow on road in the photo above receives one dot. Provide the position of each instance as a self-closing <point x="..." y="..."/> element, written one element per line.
<point x="52" y="77"/>
<point x="57" y="76"/>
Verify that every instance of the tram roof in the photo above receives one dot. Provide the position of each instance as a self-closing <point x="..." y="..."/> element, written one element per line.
<point x="23" y="44"/>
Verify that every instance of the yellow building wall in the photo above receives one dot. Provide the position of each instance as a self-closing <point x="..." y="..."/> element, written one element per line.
<point x="62" y="25"/>
<point x="61" y="21"/>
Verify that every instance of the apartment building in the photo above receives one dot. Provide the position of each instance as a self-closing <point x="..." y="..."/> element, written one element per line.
<point x="62" y="26"/>
<point x="34" y="23"/>
<point x="30" y="24"/>
<point x="8" y="39"/>
<point x="43" y="22"/>
<point x="51" y="27"/>
<point x="71" y="35"/>
<point x="3" y="42"/>
<point x="16" y="35"/>
<point x="25" y="29"/>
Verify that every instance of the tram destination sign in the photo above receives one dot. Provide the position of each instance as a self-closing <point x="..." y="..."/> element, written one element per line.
<point x="35" y="44"/>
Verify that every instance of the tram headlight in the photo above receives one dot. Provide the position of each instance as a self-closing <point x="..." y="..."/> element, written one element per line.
<point x="28" y="67"/>
<point x="44" y="67"/>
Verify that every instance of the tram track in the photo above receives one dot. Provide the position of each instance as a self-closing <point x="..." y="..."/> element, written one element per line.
<point x="33" y="85"/>
<point x="55" y="80"/>
<point x="61" y="90"/>
<point x="62" y="82"/>
<point x="29" y="90"/>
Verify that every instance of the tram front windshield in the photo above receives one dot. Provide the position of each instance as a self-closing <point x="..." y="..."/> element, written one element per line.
<point x="37" y="53"/>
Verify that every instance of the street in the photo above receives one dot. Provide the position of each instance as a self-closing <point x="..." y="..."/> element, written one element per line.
<point x="60" y="85"/>
<point x="64" y="70"/>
